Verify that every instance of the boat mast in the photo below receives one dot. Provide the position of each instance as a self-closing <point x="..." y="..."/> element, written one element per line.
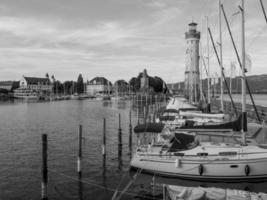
<point x="208" y="63"/>
<point x="220" y="30"/>
<point x="195" y="90"/>
<point x="200" y="83"/>
<point x="231" y="76"/>
<point x="244" y="115"/>
<point x="215" y="85"/>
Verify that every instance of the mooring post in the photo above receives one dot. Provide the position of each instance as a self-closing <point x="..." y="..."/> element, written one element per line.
<point x="144" y="114"/>
<point x="79" y="158"/>
<point x="141" y="101"/>
<point x="44" y="168"/>
<point x="148" y="110"/>
<point x="120" y="143"/>
<point x="104" y="152"/>
<point x="153" y="186"/>
<point x="130" y="132"/>
<point x="136" y="101"/>
<point x="104" y="138"/>
<point x="79" y="164"/>
<point x="119" y="138"/>
<point x="137" y="116"/>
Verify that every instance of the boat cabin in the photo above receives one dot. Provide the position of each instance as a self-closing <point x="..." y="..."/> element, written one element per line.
<point x="149" y="133"/>
<point x="156" y="136"/>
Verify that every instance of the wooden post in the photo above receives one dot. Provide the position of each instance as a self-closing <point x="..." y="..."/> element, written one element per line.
<point x="119" y="144"/>
<point x="130" y="132"/>
<point x="136" y="99"/>
<point x="148" y="111"/>
<point x="104" y="152"/>
<point x="164" y="192"/>
<point x="153" y="186"/>
<point x="144" y="114"/>
<point x="137" y="116"/>
<point x="79" y="158"/>
<point x="141" y="101"/>
<point x="44" y="168"/>
<point x="104" y="138"/>
<point x="119" y="138"/>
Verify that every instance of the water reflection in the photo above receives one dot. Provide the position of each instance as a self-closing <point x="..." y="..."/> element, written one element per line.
<point x="107" y="103"/>
<point x="80" y="186"/>
<point x="104" y="178"/>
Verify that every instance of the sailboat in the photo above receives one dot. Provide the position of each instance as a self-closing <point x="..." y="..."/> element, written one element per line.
<point x="187" y="155"/>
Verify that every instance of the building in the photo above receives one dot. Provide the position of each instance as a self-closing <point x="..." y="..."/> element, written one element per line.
<point x="99" y="86"/>
<point x="36" y="84"/>
<point x="192" y="78"/>
<point x="144" y="82"/>
<point x="9" y="85"/>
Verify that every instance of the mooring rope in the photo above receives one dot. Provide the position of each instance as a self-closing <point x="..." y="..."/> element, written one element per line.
<point x="97" y="185"/>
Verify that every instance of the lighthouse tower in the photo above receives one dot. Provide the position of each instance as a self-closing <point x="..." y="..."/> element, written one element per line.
<point x="192" y="79"/>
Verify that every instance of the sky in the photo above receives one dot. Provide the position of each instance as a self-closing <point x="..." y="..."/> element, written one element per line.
<point x="117" y="39"/>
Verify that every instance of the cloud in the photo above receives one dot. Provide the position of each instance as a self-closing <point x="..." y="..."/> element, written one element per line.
<point x="113" y="38"/>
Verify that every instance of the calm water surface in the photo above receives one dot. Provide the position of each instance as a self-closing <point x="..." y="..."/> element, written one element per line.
<point x="259" y="99"/>
<point x="21" y="126"/>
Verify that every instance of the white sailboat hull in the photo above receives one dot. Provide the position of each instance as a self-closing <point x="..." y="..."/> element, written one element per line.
<point x="223" y="170"/>
<point x="240" y="167"/>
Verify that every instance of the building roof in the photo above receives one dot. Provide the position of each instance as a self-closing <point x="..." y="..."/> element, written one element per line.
<point x="36" y="80"/>
<point x="99" y="81"/>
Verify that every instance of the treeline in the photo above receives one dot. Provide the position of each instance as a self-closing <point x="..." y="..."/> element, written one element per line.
<point x="67" y="87"/>
<point x="156" y="84"/>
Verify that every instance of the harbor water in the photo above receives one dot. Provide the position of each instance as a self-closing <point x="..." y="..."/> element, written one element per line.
<point x="21" y="126"/>
<point x="260" y="99"/>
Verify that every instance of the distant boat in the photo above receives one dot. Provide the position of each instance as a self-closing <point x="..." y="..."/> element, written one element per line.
<point x="102" y="97"/>
<point x="75" y="96"/>
<point x="83" y="96"/>
<point x="23" y="93"/>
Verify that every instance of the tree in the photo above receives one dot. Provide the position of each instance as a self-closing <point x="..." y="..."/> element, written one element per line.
<point x="69" y="87"/>
<point x="134" y="84"/>
<point x="80" y="84"/>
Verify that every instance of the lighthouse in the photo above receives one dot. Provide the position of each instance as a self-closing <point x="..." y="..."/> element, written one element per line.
<point x="192" y="78"/>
